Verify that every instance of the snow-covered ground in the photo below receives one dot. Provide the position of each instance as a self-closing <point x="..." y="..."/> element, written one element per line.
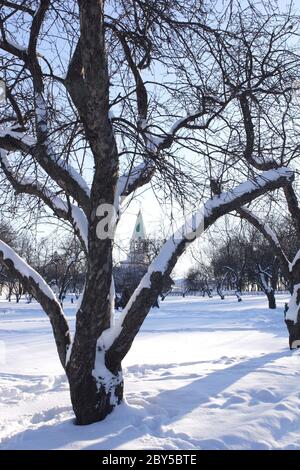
<point x="202" y="374"/>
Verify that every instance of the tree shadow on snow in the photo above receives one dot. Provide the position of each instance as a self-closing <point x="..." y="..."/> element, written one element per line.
<point x="130" y="422"/>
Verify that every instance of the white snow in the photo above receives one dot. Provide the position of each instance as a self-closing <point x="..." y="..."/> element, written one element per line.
<point x="80" y="221"/>
<point x="272" y="234"/>
<point x="295" y="260"/>
<point x="261" y="159"/>
<point x="264" y="275"/>
<point x="190" y="116"/>
<point x="126" y="180"/>
<point x="111" y="297"/>
<point x="40" y="109"/>
<point x="41" y="115"/>
<point x="104" y="377"/>
<point x="248" y="187"/>
<point x="178" y="123"/>
<point x="152" y="141"/>
<point x="74" y="174"/>
<point x="8" y="131"/>
<point x="202" y="374"/>
<point x="294" y="306"/>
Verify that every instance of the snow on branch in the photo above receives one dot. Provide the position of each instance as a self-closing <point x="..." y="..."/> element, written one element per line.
<point x="41" y="149"/>
<point x="256" y="185"/>
<point x="41" y="113"/>
<point x="37" y="286"/>
<point x="57" y="168"/>
<point x="24" y="269"/>
<point x="292" y="313"/>
<point x="12" y="48"/>
<point x="117" y="340"/>
<point x="154" y="142"/>
<point x="295" y="261"/>
<point x="61" y="208"/>
<point x="133" y="179"/>
<point x="13" y="44"/>
<point x="12" y="135"/>
<point x="265" y="276"/>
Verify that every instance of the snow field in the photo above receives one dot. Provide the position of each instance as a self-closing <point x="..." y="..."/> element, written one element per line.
<point x="202" y="374"/>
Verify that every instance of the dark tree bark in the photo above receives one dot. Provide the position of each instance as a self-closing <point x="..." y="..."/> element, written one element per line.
<point x="93" y="401"/>
<point x="271" y="299"/>
<point x="220" y="287"/>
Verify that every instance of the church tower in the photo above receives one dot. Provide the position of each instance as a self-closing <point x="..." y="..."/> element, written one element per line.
<point x="139" y="232"/>
<point x="138" y="244"/>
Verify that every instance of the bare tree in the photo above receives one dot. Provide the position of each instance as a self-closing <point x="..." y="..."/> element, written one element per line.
<point x="63" y="268"/>
<point x="268" y="279"/>
<point x="220" y="285"/>
<point x="107" y="116"/>
<point x="236" y="279"/>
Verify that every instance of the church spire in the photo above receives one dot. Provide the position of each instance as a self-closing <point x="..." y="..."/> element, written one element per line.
<point x="139" y="232"/>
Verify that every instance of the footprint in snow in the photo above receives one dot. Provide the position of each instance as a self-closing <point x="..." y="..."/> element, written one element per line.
<point x="48" y="415"/>
<point x="234" y="400"/>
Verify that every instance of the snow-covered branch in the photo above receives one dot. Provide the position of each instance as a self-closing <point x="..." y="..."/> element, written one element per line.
<point x="41" y="149"/>
<point x="62" y="209"/>
<point x="59" y="170"/>
<point x="295" y="261"/>
<point x="264" y="277"/>
<point x="37" y="286"/>
<point x="135" y="178"/>
<point x="117" y="340"/>
<point x="12" y="48"/>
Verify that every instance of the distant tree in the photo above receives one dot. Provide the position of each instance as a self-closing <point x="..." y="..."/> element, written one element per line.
<point x="197" y="279"/>
<point x="64" y="268"/>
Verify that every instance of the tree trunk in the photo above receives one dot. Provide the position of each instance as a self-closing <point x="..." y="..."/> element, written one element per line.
<point x="291" y="311"/>
<point x="238" y="295"/>
<point x="294" y="334"/>
<point x="271" y="299"/>
<point x="220" y="293"/>
<point x="93" y="398"/>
